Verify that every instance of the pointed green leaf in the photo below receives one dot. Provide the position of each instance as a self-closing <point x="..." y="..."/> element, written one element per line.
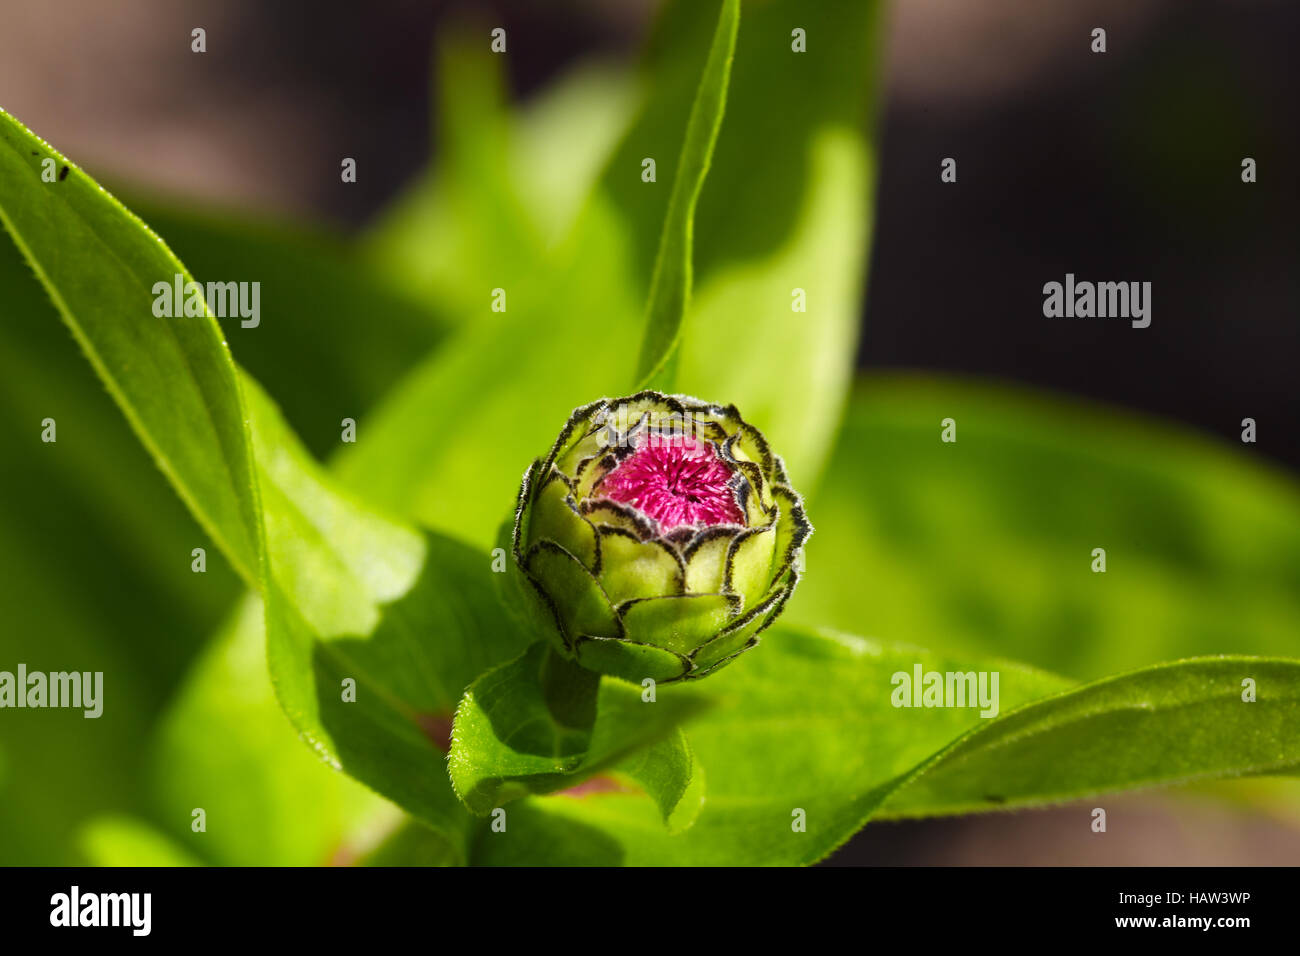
<point x="670" y="284"/>
<point x="100" y="265"/>
<point x="788" y="206"/>
<point x="673" y="778"/>
<point x="1172" y="723"/>
<point x="373" y="631"/>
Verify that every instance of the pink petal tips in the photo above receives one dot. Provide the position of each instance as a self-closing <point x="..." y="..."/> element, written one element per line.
<point x="677" y="481"/>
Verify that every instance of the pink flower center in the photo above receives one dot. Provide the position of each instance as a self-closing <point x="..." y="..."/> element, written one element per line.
<point x="677" y="481"/>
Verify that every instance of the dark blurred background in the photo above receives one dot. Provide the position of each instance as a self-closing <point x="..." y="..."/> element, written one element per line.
<point x="1124" y="165"/>
<point x="1121" y="166"/>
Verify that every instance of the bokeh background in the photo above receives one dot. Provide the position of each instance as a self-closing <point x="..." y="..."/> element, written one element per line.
<point x="1117" y="166"/>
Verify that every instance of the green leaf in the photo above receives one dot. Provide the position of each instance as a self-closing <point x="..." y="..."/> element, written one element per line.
<point x="790" y="372"/>
<point x="63" y="612"/>
<point x="539" y="723"/>
<point x="100" y="263"/>
<point x="97" y="495"/>
<point x="673" y="778"/>
<point x="527" y="722"/>
<point x="408" y="620"/>
<point x="808" y="723"/>
<point x="984" y="545"/>
<point x="804" y="721"/>
<point x="334" y="333"/>
<point x="670" y="284"/>
<point x="1173" y="723"/>
<point x="352" y="599"/>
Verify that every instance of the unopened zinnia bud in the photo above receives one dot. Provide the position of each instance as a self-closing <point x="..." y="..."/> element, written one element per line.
<point x="659" y="536"/>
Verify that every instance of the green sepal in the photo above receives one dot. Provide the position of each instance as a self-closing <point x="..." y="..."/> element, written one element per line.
<point x="575" y="429"/>
<point x="638" y="569"/>
<point x="613" y="514"/>
<point x="706" y="560"/>
<point x="630" y="660"/>
<point x="749" y="565"/>
<point x="555" y="518"/>
<point x="742" y="634"/>
<point x="678" y="623"/>
<point x="792" y="528"/>
<point x="530" y="609"/>
<point x="580" y="601"/>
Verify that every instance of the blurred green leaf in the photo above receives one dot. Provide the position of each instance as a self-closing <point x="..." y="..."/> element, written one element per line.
<point x="563" y="139"/>
<point x="412" y="844"/>
<point x="786" y="206"/>
<point x="333" y="333"/>
<point x="576" y="290"/>
<point x="508" y="186"/>
<point x="99" y="263"/>
<point x="985" y="545"/>
<point x="501" y="389"/>
<point x="670" y="283"/>
<point x="803" y="722"/>
<point x="456" y="235"/>
<point x="1270" y="797"/>
<point x="539" y="723"/>
<point x="123" y="841"/>
<point x="225" y="746"/>
<point x="1167" y="724"/>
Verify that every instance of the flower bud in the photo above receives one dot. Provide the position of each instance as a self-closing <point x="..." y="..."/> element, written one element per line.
<point x="659" y="536"/>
